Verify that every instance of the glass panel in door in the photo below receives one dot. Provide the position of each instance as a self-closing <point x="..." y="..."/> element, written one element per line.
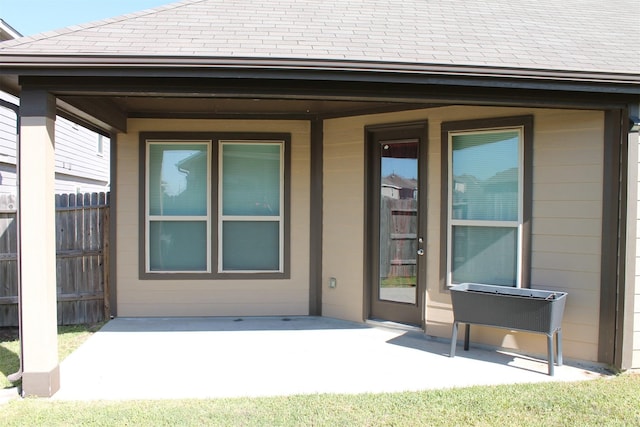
<point x="399" y="246"/>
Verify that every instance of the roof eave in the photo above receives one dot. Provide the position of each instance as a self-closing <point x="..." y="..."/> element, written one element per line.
<point x="30" y="64"/>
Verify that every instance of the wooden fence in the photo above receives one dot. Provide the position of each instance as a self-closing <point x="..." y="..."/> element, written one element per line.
<point x="398" y="237"/>
<point x="82" y="262"/>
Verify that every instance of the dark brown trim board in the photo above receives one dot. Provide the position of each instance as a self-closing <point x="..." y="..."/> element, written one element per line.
<point x="526" y="122"/>
<point x="612" y="283"/>
<point x="37" y="103"/>
<point x="315" y="218"/>
<point x="626" y="298"/>
<point x="25" y="68"/>
<point x="113" y="226"/>
<point x="215" y="137"/>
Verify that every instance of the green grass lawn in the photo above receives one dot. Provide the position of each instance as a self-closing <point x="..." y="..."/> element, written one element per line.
<point x="398" y="282"/>
<point x="604" y="402"/>
<point x="69" y="338"/>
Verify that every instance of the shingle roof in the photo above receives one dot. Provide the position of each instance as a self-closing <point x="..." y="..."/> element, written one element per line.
<point x="566" y="35"/>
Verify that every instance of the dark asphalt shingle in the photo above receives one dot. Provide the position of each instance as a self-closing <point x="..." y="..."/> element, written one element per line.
<point x="574" y="35"/>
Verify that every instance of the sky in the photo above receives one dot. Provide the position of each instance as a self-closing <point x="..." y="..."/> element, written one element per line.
<point x="29" y="17"/>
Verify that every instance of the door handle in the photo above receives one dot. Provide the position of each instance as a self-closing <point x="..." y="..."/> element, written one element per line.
<point x="420" y="252"/>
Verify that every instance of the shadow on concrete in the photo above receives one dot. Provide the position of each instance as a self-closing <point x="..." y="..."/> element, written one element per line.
<point x="483" y="353"/>
<point x="230" y="324"/>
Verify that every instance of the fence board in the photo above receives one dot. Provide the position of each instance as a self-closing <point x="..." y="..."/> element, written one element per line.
<point x="398" y="237"/>
<point x="9" y="260"/>
<point x="81" y="256"/>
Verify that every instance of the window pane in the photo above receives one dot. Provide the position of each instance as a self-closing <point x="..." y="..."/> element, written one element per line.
<point x="484" y="255"/>
<point x="485" y="176"/>
<point x="178" y="245"/>
<point x="251" y="245"/>
<point x="178" y="179"/>
<point x="251" y="179"/>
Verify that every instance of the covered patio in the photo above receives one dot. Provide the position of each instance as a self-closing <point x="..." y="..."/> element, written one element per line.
<point x="235" y="95"/>
<point x="204" y="357"/>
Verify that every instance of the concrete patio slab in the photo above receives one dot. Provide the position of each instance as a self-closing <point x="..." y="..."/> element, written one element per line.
<point x="175" y="358"/>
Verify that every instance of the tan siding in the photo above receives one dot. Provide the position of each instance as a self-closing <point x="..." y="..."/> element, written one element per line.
<point x="567" y="219"/>
<point x="564" y="261"/>
<point x="570" y="244"/>
<point x="343" y="213"/>
<point x="571" y="280"/>
<point x="565" y="172"/>
<point x="567" y="192"/>
<point x="212" y="297"/>
<point x="567" y="200"/>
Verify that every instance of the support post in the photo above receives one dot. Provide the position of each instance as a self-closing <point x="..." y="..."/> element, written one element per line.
<point x="38" y="309"/>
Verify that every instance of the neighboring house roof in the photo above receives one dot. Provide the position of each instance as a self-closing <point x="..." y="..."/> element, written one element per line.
<point x="573" y="35"/>
<point x="7" y="32"/>
<point x="397" y="181"/>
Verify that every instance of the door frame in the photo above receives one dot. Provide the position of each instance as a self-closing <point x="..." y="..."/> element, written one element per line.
<point x="402" y="130"/>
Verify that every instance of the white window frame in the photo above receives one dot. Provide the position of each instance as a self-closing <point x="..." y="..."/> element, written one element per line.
<point x="186" y="218"/>
<point x="100" y="145"/>
<point x="518" y="225"/>
<point x="272" y="218"/>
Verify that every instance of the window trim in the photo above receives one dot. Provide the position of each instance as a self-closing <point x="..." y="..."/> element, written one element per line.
<point x="525" y="124"/>
<point x="213" y="207"/>
<point x="100" y="146"/>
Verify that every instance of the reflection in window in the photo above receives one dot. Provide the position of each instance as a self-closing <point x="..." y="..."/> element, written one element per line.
<point x="251" y="220"/>
<point x="178" y="179"/>
<point x="178" y="201"/>
<point x="398" y="220"/>
<point x="485" y="188"/>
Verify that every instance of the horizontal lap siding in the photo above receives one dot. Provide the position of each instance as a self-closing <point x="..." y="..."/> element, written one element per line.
<point x="8" y="137"/>
<point x="566" y="225"/>
<point x="8" y="132"/>
<point x="567" y="220"/>
<point x="78" y="165"/>
<point x="566" y="229"/>
<point x="343" y="218"/>
<point x="211" y="297"/>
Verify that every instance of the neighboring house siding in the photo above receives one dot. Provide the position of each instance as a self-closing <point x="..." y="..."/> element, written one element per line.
<point x="206" y="297"/>
<point x="8" y="132"/>
<point x="78" y="166"/>
<point x="566" y="232"/>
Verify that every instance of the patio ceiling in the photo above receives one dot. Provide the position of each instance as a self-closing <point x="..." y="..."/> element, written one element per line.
<point x="109" y="113"/>
<point x="137" y="106"/>
<point x="103" y="99"/>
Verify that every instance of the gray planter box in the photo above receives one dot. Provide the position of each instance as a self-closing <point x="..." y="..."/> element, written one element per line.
<point x="530" y="310"/>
